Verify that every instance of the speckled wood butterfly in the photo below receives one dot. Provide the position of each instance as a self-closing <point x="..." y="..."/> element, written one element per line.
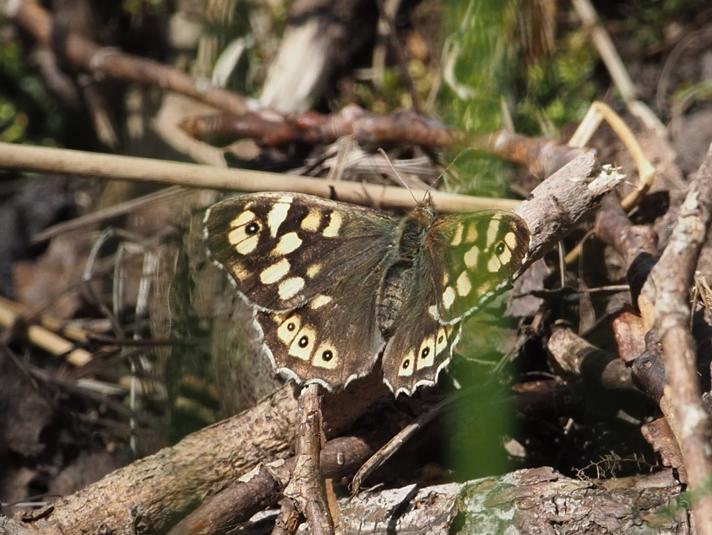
<point x="335" y="286"/>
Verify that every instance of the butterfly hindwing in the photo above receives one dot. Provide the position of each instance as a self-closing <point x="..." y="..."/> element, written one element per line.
<point x="327" y="340"/>
<point x="277" y="246"/>
<point x="464" y="259"/>
<point x="473" y="257"/>
<point x="418" y="351"/>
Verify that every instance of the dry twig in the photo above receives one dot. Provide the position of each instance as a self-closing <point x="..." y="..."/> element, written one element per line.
<point x="306" y="486"/>
<point x="668" y="287"/>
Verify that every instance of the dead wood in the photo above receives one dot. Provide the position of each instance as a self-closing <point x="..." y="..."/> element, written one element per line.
<point x="157" y="489"/>
<point x="320" y="38"/>
<point x="668" y="287"/>
<point x="576" y="357"/>
<point x="537" y="500"/>
<point x="262" y="488"/>
<point x="306" y="484"/>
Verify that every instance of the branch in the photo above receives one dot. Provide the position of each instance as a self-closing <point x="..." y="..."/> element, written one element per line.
<point x="262" y="487"/>
<point x="306" y="485"/>
<point x="536" y="500"/>
<point x="164" y="486"/>
<point x="92" y="164"/>
<point x="669" y="288"/>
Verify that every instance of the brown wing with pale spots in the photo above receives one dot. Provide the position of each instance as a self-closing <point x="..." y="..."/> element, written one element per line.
<point x="473" y="257"/>
<point x="329" y="340"/>
<point x="282" y="249"/>
<point x="418" y="351"/>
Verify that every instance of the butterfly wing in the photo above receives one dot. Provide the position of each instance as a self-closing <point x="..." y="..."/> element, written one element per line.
<point x="313" y="269"/>
<point x="420" y="348"/>
<point x="473" y="257"/>
<point x="465" y="259"/>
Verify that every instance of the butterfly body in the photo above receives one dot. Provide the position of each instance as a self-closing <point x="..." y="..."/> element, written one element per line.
<point x="336" y="286"/>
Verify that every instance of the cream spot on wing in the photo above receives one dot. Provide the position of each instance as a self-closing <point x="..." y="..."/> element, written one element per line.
<point x="511" y="240"/>
<point x="471" y="256"/>
<point x="426" y="353"/>
<point x="407" y="365"/>
<point x="248" y="245"/>
<point x="319" y="301"/>
<point x="290" y="287"/>
<point x="433" y="311"/>
<point x="242" y="218"/>
<point x="312" y="220"/>
<point x="275" y="273"/>
<point x="440" y="340"/>
<point x="492" y="230"/>
<point x="303" y="343"/>
<point x="326" y="356"/>
<point x="278" y="214"/>
<point x="332" y="229"/>
<point x="457" y="235"/>
<point x="493" y="264"/>
<point x="463" y="284"/>
<point x="472" y="233"/>
<point x="288" y="329"/>
<point x="484" y="288"/>
<point x="239" y="271"/>
<point x="288" y="243"/>
<point x="446" y="278"/>
<point x="312" y="270"/>
<point x="448" y="297"/>
<point x="505" y="256"/>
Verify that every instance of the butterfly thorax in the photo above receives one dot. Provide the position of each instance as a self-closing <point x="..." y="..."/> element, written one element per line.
<point x="401" y="273"/>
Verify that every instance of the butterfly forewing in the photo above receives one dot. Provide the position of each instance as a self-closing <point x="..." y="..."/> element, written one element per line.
<point x="281" y="249"/>
<point x="313" y="269"/>
<point x="473" y="257"/>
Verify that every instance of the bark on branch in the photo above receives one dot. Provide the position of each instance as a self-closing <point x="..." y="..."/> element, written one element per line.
<point x="668" y="286"/>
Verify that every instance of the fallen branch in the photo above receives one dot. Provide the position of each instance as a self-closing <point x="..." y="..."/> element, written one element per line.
<point x="668" y="286"/>
<point x="536" y="500"/>
<point x="262" y="487"/>
<point x="306" y="485"/>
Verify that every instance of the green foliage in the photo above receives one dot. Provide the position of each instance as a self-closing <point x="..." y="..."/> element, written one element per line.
<point x="28" y="113"/>
<point x="479" y="64"/>
<point x="559" y="89"/>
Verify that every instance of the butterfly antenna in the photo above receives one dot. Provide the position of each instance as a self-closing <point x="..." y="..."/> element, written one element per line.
<point x="397" y="174"/>
<point x="451" y="164"/>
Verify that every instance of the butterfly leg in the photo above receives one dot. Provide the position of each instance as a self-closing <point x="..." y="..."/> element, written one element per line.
<point x="306" y="486"/>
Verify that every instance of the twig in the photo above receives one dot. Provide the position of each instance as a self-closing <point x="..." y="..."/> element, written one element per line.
<point x="91" y="164"/>
<point x="105" y="61"/>
<point x="668" y="286"/>
<point x="44" y="338"/>
<point x="394" y="444"/>
<point x="616" y="69"/>
<point x="287" y="521"/>
<point x="109" y="212"/>
<point x="306" y="486"/>
<point x="263" y="486"/>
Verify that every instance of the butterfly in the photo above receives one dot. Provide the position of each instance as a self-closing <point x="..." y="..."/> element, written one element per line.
<point x="337" y="286"/>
